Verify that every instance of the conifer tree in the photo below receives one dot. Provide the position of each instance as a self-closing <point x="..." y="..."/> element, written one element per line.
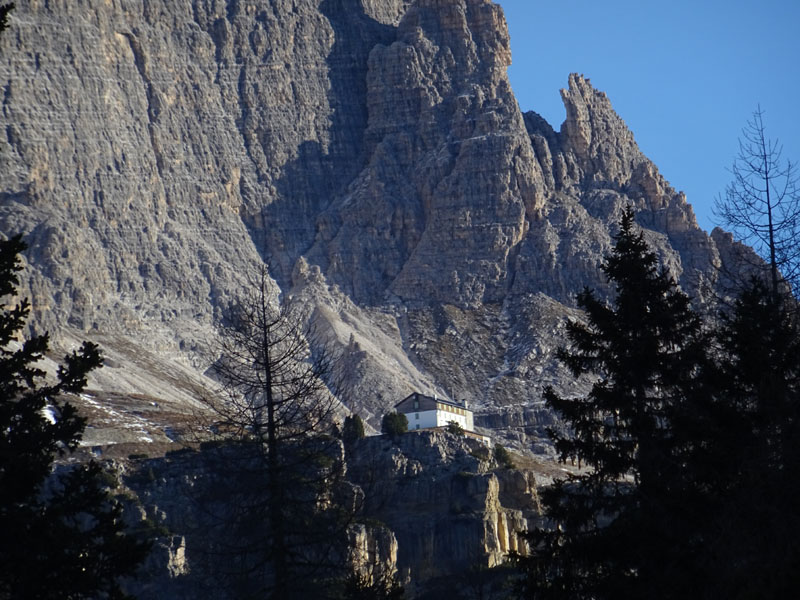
<point x="62" y="535"/>
<point x="352" y="429"/>
<point x="761" y="206"/>
<point x="610" y="533"/>
<point x="751" y="457"/>
<point x="5" y="10"/>
<point x="394" y="424"/>
<point x="277" y="454"/>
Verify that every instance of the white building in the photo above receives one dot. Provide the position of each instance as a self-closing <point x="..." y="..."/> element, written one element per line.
<point x="424" y="412"/>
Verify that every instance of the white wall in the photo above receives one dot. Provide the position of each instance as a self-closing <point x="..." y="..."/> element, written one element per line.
<point x="421" y="420"/>
<point x="438" y="418"/>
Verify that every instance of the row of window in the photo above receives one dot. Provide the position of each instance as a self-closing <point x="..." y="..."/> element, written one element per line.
<point x="448" y="408"/>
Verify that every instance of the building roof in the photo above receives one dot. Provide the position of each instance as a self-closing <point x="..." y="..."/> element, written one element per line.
<point x="430" y="399"/>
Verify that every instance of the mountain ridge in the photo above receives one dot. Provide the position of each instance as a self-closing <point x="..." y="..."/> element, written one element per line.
<point x="372" y="153"/>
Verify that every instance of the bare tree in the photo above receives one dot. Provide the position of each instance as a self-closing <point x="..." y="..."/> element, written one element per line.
<point x="276" y="385"/>
<point x="761" y="205"/>
<point x="277" y="408"/>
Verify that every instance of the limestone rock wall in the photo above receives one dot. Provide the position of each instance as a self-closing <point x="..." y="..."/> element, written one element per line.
<point x="371" y="152"/>
<point x="437" y="493"/>
<point x="121" y="165"/>
<point x="428" y="505"/>
<point x="450" y="173"/>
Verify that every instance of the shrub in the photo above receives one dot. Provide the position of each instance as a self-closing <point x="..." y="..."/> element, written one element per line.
<point x="394" y="424"/>
<point x="503" y="457"/>
<point x="352" y="429"/>
<point x="454" y="428"/>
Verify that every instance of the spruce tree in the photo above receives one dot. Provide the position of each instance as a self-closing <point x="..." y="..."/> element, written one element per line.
<point x="751" y="455"/>
<point x="61" y="534"/>
<point x="352" y="429"/>
<point x="611" y="533"/>
<point x="394" y="424"/>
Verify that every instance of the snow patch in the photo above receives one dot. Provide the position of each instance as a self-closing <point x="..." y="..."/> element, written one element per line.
<point x="136" y="424"/>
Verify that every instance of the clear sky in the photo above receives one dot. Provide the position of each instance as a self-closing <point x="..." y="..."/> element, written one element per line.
<point x="685" y="75"/>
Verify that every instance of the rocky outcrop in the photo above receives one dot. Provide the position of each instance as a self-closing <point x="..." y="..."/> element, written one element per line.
<point x="427" y="505"/>
<point x="593" y="135"/>
<point x="373" y="553"/>
<point x="372" y="153"/>
<point x="449" y="510"/>
<point x="206" y="508"/>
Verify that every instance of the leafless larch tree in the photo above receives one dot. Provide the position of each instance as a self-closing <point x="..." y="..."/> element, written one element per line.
<point x="761" y="205"/>
<point x="286" y="515"/>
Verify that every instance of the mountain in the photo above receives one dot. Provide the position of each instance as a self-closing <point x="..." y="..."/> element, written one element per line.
<point x="371" y="152"/>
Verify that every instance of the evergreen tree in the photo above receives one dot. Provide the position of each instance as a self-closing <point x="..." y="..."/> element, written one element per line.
<point x="394" y="424"/>
<point x="751" y="457"/>
<point x="455" y="428"/>
<point x="62" y="535"/>
<point x="503" y="457"/>
<point x="5" y="10"/>
<point x="612" y="531"/>
<point x="352" y="429"/>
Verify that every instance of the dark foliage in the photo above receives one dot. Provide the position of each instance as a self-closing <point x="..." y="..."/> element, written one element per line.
<point x="612" y="532"/>
<point x="5" y="10"/>
<point x="503" y="457"/>
<point x="394" y="424"/>
<point x="749" y="465"/>
<point x="282" y="528"/>
<point x="358" y="586"/>
<point x="352" y="429"/>
<point x="455" y="428"/>
<point x="62" y="535"/>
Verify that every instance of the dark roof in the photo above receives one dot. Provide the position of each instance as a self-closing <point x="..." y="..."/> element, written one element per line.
<point x="421" y="397"/>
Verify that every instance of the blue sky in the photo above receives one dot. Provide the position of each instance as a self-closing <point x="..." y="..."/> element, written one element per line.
<point x="684" y="75"/>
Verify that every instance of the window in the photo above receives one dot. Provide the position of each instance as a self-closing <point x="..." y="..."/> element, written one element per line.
<point x="416" y="416"/>
<point x="417" y="425"/>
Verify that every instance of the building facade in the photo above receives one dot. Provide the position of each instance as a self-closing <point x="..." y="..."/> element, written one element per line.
<point x="424" y="412"/>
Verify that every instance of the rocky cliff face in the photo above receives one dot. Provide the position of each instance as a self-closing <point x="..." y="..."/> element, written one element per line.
<point x="448" y="510"/>
<point x="206" y="509"/>
<point x="372" y="152"/>
<point x="433" y="505"/>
